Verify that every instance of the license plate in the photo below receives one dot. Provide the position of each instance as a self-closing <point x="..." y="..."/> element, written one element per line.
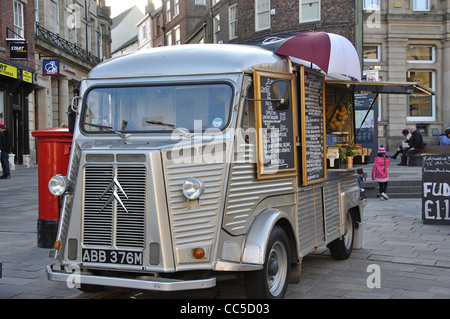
<point x="112" y="256"/>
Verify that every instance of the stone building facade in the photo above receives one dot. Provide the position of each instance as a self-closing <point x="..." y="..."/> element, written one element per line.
<point x="409" y="40"/>
<point x="46" y="48"/>
<point x="71" y="37"/>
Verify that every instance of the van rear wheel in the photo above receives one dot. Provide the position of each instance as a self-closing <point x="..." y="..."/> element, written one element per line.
<point x="272" y="280"/>
<point x="341" y="248"/>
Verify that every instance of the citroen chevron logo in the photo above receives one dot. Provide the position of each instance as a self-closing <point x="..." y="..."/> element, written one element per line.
<point x="114" y="195"/>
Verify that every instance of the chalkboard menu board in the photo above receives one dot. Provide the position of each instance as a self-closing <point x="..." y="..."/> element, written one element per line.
<point x="313" y="126"/>
<point x="436" y="189"/>
<point x="277" y="155"/>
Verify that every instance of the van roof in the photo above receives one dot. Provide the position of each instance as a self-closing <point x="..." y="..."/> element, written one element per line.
<point x="189" y="59"/>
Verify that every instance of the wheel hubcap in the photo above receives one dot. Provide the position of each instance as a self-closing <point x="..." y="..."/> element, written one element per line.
<point x="277" y="268"/>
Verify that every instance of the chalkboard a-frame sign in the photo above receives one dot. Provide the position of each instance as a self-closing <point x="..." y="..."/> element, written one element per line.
<point x="313" y="126"/>
<point x="275" y="130"/>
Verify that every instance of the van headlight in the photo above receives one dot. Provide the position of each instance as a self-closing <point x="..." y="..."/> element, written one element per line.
<point x="58" y="185"/>
<point x="193" y="188"/>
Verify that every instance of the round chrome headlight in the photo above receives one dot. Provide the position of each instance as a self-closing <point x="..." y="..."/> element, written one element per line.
<point x="193" y="188"/>
<point x="58" y="185"/>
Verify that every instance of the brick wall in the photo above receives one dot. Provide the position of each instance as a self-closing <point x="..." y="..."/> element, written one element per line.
<point x="7" y="20"/>
<point x="337" y="16"/>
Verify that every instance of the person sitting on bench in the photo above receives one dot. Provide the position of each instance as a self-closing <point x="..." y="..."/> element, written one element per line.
<point x="415" y="146"/>
<point x="404" y="146"/>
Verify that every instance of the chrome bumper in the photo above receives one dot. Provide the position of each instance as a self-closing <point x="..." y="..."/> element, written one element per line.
<point x="155" y="283"/>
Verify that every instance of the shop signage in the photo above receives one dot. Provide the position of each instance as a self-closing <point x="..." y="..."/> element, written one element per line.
<point x="436" y="189"/>
<point x="69" y="69"/>
<point x="18" y="50"/>
<point x="8" y="70"/>
<point x="27" y="76"/>
<point x="51" y="67"/>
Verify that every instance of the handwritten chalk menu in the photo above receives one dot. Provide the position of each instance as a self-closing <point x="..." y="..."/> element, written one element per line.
<point x="313" y="127"/>
<point x="436" y="189"/>
<point x="275" y="129"/>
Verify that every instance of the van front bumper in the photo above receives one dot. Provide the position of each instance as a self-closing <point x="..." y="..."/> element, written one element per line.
<point x="143" y="283"/>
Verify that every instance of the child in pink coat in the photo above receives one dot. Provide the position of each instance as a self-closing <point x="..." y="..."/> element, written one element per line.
<point x="380" y="171"/>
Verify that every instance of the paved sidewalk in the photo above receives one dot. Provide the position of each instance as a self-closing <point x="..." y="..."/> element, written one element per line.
<point x="413" y="258"/>
<point x="23" y="262"/>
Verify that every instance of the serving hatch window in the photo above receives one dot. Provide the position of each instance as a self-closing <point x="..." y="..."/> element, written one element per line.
<point x="157" y="108"/>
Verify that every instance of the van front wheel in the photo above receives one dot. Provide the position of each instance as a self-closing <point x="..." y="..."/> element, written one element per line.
<point x="272" y="280"/>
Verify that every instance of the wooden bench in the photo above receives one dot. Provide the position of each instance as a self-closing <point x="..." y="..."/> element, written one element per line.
<point x="437" y="149"/>
<point x="432" y="149"/>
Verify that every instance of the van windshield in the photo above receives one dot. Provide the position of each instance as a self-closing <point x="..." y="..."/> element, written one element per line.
<point x="157" y="108"/>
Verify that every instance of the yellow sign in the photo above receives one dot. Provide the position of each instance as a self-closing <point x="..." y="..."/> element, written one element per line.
<point x="27" y="76"/>
<point x="397" y="5"/>
<point x="8" y="70"/>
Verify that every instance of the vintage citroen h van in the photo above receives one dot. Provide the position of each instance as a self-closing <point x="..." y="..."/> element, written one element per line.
<point x="193" y="161"/>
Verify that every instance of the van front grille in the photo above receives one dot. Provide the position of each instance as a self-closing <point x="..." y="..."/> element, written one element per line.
<point x="114" y="205"/>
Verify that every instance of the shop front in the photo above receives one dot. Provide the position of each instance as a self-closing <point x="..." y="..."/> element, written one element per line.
<point x="16" y="83"/>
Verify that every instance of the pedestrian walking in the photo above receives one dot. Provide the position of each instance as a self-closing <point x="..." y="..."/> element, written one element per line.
<point x="6" y="146"/>
<point x="380" y="171"/>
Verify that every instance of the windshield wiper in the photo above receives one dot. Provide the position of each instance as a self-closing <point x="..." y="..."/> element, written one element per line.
<point x="185" y="132"/>
<point x="162" y="124"/>
<point x="108" y="129"/>
<point x="99" y="126"/>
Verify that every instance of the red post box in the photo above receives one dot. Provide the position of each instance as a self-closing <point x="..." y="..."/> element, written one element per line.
<point x="53" y="149"/>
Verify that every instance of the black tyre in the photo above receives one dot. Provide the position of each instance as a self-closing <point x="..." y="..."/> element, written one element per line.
<point x="272" y="280"/>
<point x="341" y="248"/>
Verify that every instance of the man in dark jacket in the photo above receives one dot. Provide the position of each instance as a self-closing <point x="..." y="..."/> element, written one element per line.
<point x="415" y="146"/>
<point x="6" y="145"/>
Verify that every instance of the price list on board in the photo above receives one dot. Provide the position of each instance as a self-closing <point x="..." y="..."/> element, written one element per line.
<point x="277" y="134"/>
<point x="436" y="189"/>
<point x="313" y="121"/>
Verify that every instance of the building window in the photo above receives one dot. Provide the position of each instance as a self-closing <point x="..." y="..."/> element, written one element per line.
<point x="216" y="26"/>
<point x="158" y="25"/>
<point x="420" y="54"/>
<point x="168" y="14"/>
<point x="309" y="10"/>
<point x="200" y="2"/>
<point x="18" y="20"/>
<point x="421" y="5"/>
<point x="177" y="35"/>
<point x="371" y="5"/>
<point x="169" y="38"/>
<point x="232" y="17"/>
<point x="372" y="53"/>
<point x="176" y="7"/>
<point x="143" y="32"/>
<point x="262" y="15"/>
<point x="421" y="108"/>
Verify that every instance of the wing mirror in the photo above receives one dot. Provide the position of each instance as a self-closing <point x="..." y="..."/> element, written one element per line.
<point x="280" y="90"/>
